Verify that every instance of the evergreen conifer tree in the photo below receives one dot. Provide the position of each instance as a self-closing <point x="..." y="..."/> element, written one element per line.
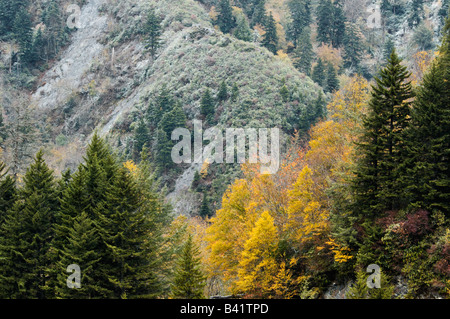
<point x="332" y="79"/>
<point x="353" y="48"/>
<point x="416" y="14"/>
<point x="7" y="192"/>
<point x="259" y="14"/>
<point x="304" y="54"/>
<point x="141" y="137"/>
<point x="152" y="31"/>
<point x="318" y="73"/>
<point x="225" y="19"/>
<point x="270" y="37"/>
<point x="429" y="136"/>
<point x="207" y="105"/>
<point x="301" y="18"/>
<point x="82" y="249"/>
<point x="24" y="35"/>
<point x="378" y="182"/>
<point x="243" y="31"/>
<point x="26" y="236"/>
<point x="189" y="280"/>
<point x="222" y="95"/>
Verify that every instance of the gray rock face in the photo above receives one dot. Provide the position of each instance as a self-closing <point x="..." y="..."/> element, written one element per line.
<point x="67" y="74"/>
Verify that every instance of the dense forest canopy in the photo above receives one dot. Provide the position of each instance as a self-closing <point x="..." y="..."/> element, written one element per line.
<point x="98" y="96"/>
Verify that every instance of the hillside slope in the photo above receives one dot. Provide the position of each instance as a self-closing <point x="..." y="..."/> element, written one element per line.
<point x="104" y="79"/>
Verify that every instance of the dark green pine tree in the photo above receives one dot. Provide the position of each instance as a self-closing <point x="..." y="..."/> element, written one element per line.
<point x="163" y="104"/>
<point x="54" y="27"/>
<point x="386" y="8"/>
<point x="7" y="192"/>
<point x="163" y="151"/>
<point x="353" y="47"/>
<point x="222" y="95"/>
<point x="332" y="79"/>
<point x="27" y="234"/>
<point x="243" y="31"/>
<point x="330" y="23"/>
<point x="417" y="13"/>
<point x="8" y="11"/>
<point x="312" y="113"/>
<point x="141" y="138"/>
<point x="304" y="54"/>
<point x="338" y="28"/>
<point x="38" y="47"/>
<point x="234" y="92"/>
<point x="324" y="15"/>
<point x="82" y="249"/>
<point x="301" y="18"/>
<point x="129" y="256"/>
<point x="378" y="185"/>
<point x="259" y="14"/>
<point x="318" y="73"/>
<point x="225" y="19"/>
<point x="207" y="109"/>
<point x="205" y="211"/>
<point x="284" y="93"/>
<point x="23" y="34"/>
<point x="270" y="37"/>
<point x="152" y="31"/>
<point x="429" y="135"/>
<point x="172" y="120"/>
<point x="189" y="280"/>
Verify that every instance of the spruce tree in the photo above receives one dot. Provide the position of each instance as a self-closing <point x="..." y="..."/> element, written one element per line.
<point x="141" y="137"/>
<point x="8" y="11"/>
<point x="259" y="15"/>
<point x="324" y="21"/>
<point x="189" y="280"/>
<point x="152" y="31"/>
<point x="330" y="23"/>
<point x="338" y="29"/>
<point x="332" y="79"/>
<point x="301" y="18"/>
<point x="225" y="19"/>
<point x="23" y="34"/>
<point x="429" y="136"/>
<point x="82" y="249"/>
<point x="7" y="192"/>
<point x="173" y="120"/>
<point x="207" y="105"/>
<point x="243" y="31"/>
<point x="270" y="37"/>
<point x="205" y="211"/>
<point x="353" y="48"/>
<point x="304" y="54"/>
<point x="378" y="178"/>
<point x="124" y="228"/>
<point x="222" y="95"/>
<point x="416" y="15"/>
<point x="234" y="92"/>
<point x="27" y="234"/>
<point x="318" y="73"/>
<point x="163" y="151"/>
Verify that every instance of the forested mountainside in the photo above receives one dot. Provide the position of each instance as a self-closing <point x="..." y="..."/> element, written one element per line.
<point x="94" y="92"/>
